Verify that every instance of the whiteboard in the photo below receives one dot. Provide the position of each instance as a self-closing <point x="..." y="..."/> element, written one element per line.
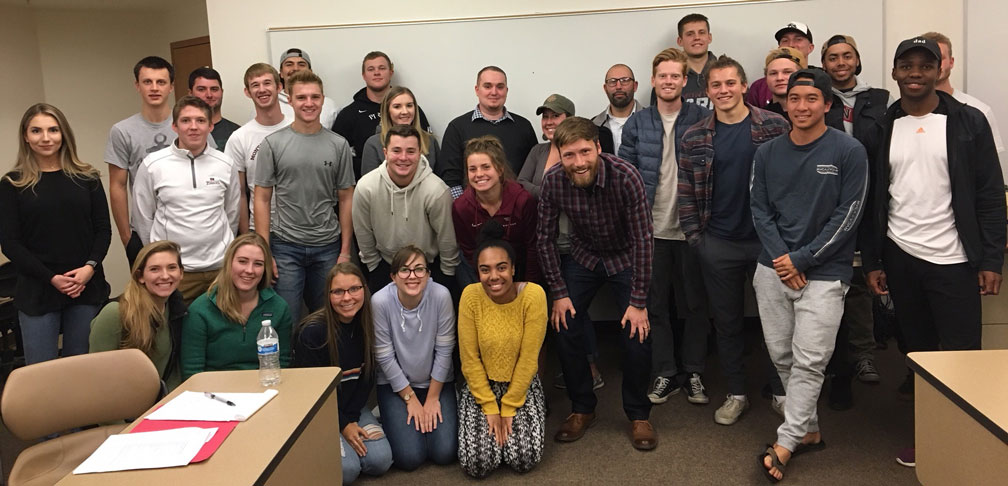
<point x="566" y="53"/>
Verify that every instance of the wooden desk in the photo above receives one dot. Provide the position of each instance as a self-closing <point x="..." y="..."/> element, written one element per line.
<point x="293" y="439"/>
<point x="961" y="416"/>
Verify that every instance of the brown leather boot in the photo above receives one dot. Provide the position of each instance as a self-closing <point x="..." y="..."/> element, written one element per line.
<point x="643" y="436"/>
<point x="574" y="427"/>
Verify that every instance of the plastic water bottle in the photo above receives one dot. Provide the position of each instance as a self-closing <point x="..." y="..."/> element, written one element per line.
<point x="269" y="354"/>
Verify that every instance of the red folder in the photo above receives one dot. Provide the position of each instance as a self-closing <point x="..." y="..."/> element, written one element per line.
<point x="223" y="429"/>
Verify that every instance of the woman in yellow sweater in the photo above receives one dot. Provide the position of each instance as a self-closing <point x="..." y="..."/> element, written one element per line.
<point x="501" y="328"/>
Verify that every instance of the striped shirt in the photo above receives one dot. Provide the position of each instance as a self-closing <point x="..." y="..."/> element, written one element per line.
<point x="610" y="224"/>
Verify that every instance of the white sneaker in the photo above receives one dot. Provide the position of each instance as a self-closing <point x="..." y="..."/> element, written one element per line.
<point x="777" y="404"/>
<point x="730" y="411"/>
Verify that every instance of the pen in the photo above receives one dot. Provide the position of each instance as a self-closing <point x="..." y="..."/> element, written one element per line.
<point x="219" y="399"/>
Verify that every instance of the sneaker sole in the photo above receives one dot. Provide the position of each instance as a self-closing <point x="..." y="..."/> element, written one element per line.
<point x="907" y="464"/>
<point x="698" y="400"/>
<point x="724" y="421"/>
<point x="869" y="380"/>
<point x="655" y="399"/>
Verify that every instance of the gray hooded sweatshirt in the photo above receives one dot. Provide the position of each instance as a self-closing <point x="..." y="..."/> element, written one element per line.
<point x="387" y="217"/>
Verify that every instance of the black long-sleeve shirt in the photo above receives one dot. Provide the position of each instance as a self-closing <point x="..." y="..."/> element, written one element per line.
<point x="311" y="350"/>
<point x="50" y="229"/>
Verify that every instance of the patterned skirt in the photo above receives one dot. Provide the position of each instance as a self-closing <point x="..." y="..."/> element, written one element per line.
<point x="480" y="454"/>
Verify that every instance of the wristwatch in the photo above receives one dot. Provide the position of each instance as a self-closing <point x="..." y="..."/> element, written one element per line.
<point x="91" y="263"/>
<point x="408" y="397"/>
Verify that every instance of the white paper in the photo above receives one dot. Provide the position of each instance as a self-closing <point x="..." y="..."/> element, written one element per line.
<point x="147" y="450"/>
<point x="192" y="405"/>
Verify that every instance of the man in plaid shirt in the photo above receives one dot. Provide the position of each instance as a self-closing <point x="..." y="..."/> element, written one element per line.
<point x="611" y="241"/>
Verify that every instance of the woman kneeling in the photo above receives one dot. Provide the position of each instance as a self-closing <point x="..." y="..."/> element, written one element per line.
<point x="501" y="328"/>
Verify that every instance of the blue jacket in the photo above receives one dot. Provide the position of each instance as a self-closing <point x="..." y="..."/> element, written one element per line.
<point x="642" y="141"/>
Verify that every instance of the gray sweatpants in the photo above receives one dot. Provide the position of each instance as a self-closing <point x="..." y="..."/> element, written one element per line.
<point x="800" y="328"/>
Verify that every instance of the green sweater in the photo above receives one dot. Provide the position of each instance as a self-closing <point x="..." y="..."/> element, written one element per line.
<point x="211" y="342"/>
<point x="106" y="335"/>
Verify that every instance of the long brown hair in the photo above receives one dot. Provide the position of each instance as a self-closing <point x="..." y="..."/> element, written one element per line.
<point x="387" y="123"/>
<point x="26" y="171"/>
<point x="227" y="295"/>
<point x="139" y="315"/>
<point x="328" y="316"/>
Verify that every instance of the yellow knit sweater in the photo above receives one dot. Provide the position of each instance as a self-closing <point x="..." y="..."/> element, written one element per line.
<point x="501" y="342"/>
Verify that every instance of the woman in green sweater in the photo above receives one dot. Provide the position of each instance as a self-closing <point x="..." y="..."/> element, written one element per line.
<point x="148" y="315"/>
<point x="501" y="327"/>
<point x="220" y="331"/>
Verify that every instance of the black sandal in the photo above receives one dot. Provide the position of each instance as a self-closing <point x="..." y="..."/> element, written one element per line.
<point x="775" y="462"/>
<point x="812" y="447"/>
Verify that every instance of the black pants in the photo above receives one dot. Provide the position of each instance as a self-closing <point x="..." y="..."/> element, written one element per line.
<point x="727" y="264"/>
<point x="937" y="306"/>
<point x="133" y="247"/>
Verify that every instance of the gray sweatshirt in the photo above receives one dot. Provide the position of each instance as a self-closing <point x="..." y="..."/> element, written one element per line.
<point x="807" y="200"/>
<point x="412" y="346"/>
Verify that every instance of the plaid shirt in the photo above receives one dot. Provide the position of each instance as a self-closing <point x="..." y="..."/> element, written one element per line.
<point x="477" y="114"/>
<point x="696" y="163"/>
<point x="610" y="223"/>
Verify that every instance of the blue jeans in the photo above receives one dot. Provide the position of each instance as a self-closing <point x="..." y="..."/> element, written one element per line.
<point x="374" y="462"/>
<point x="41" y="333"/>
<point x="302" y="273"/>
<point x="411" y="448"/>
<point x="582" y="285"/>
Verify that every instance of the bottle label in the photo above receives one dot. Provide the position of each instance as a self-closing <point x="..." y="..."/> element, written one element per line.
<point x="269" y="348"/>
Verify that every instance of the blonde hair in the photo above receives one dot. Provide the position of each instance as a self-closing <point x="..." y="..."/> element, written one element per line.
<point x="227" y="295"/>
<point x="670" y="54"/>
<point x="327" y="316"/>
<point x="26" y="171"/>
<point x="387" y="123"/>
<point x="139" y="315"/>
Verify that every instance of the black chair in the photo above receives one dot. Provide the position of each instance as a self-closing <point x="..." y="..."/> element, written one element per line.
<point x="11" y="345"/>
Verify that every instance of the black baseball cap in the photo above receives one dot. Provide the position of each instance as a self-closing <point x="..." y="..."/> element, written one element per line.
<point x="794" y="26"/>
<point x="814" y="77"/>
<point x="908" y="45"/>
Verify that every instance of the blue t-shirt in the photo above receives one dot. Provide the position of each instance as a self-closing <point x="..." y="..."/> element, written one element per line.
<point x="731" y="217"/>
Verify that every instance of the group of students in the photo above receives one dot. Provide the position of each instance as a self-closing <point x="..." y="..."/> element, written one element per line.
<point x="401" y="232"/>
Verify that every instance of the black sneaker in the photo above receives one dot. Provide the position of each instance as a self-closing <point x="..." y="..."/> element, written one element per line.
<point x="695" y="390"/>
<point x="662" y="389"/>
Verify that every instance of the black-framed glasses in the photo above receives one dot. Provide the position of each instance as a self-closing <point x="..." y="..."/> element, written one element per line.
<point x="611" y="82"/>
<point x="338" y="293"/>
<point x="420" y="271"/>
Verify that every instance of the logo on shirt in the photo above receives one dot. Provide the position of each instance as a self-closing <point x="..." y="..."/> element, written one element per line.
<point x="327" y="163"/>
<point x="160" y="142"/>
<point x="920" y="130"/>
<point x="827" y="169"/>
<point x="213" y="181"/>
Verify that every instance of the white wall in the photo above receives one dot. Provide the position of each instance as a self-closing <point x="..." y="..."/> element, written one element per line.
<point x="238" y="27"/>
<point x="20" y="79"/>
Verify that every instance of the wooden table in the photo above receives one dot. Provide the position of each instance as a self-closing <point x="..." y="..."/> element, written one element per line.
<point x="292" y="440"/>
<point x="961" y="416"/>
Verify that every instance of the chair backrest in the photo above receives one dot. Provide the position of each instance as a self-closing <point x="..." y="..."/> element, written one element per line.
<point x="53" y="396"/>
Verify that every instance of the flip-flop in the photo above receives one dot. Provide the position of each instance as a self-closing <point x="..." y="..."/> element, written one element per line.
<point x="813" y="447"/>
<point x="774" y="462"/>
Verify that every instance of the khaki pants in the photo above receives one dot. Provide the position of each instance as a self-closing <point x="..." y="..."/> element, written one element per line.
<point x="195" y="284"/>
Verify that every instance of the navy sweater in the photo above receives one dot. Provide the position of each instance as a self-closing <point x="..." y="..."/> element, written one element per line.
<point x="807" y="200"/>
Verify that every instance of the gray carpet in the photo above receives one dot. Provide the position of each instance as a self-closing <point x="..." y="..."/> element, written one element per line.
<point x="861" y="443"/>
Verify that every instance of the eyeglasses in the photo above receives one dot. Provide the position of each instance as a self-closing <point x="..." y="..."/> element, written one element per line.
<point x="611" y="82"/>
<point x="338" y="293"/>
<point x="405" y="272"/>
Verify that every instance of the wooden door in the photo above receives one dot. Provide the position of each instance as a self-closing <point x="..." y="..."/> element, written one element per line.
<point x="186" y="56"/>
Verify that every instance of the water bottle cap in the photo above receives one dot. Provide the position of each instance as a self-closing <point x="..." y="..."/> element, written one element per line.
<point x="267" y="322"/>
